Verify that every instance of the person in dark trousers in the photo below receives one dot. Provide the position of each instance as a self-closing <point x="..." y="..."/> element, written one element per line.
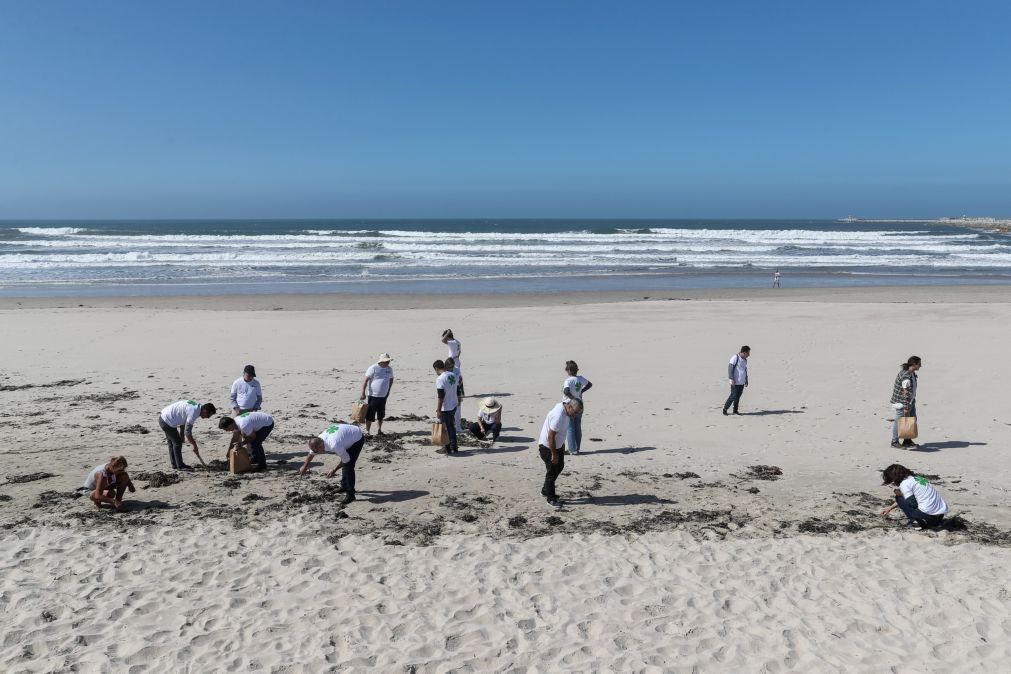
<point x="903" y="399"/>
<point x="346" y="441"/>
<point x="489" y="420"/>
<point x="446" y="403"/>
<point x="552" y="446"/>
<point x="737" y="373"/>
<point x="250" y="429"/>
<point x="918" y="500"/>
<point x="377" y="384"/>
<point x="182" y="415"/>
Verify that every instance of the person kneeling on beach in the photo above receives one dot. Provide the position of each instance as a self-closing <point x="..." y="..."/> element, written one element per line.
<point x="250" y="429"/>
<point x="552" y="446"/>
<point x="346" y="441"/>
<point x="489" y="420"/>
<point x="915" y="496"/>
<point x="108" y="482"/>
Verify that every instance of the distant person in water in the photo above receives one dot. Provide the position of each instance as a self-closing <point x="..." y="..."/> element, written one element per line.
<point x="108" y="482"/>
<point x="918" y="500"/>
<point x="775" y="279"/>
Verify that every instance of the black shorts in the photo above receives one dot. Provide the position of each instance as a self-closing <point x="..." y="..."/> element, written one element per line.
<point x="377" y="409"/>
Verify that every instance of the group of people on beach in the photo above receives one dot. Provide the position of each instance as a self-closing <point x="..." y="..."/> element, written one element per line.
<point x="561" y="432"/>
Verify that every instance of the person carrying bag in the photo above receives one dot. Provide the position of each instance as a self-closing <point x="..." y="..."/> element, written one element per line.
<point x="903" y="403"/>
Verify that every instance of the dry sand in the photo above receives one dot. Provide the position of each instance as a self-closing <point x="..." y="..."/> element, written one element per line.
<point x="671" y="554"/>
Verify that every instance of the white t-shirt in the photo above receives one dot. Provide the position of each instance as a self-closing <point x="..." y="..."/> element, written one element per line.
<point x="740" y="369"/>
<point x="380" y="379"/>
<point x="490" y="417"/>
<point x="182" y="413"/>
<point x="928" y="501"/>
<point x="338" y="439"/>
<point x="454" y="350"/>
<point x="575" y="385"/>
<point x="92" y="480"/>
<point x="251" y="422"/>
<point x="557" y="421"/>
<point x="246" y="395"/>
<point x="447" y="382"/>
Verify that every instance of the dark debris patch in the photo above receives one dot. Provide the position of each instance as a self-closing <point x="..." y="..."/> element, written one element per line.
<point x="28" y="477"/>
<point x="105" y="398"/>
<point x="517" y="522"/>
<point x="760" y="473"/>
<point x="56" y="384"/>
<point x="155" y="478"/>
<point x="136" y="428"/>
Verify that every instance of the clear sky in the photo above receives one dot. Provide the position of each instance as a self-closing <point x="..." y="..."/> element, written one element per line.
<point x="504" y="109"/>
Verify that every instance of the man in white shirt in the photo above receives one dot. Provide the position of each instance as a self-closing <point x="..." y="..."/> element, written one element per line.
<point x="246" y="394"/>
<point x="446" y="403"/>
<point x="346" y="441"/>
<point x="737" y="373"/>
<point x="377" y="385"/>
<point x="182" y="415"/>
<point x="551" y="445"/>
<point x="250" y="429"/>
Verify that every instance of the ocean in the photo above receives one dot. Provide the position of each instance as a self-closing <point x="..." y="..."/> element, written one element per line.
<point x="167" y="257"/>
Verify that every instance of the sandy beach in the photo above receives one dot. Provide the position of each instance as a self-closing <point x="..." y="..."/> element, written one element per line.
<point x="676" y="551"/>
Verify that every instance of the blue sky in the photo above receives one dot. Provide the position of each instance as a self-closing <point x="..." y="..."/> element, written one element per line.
<point x="509" y="109"/>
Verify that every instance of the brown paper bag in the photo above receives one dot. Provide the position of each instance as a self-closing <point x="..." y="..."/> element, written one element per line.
<point x="358" y="411"/>
<point x="238" y="461"/>
<point x="440" y="434"/>
<point x="907" y="428"/>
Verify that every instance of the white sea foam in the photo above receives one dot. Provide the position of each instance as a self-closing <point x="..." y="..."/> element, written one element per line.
<point x="50" y="231"/>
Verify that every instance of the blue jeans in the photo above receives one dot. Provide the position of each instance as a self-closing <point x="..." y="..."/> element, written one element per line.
<point x="736" y="391"/>
<point x="574" y="436"/>
<point x="449" y="419"/>
<point x="911" y="412"/>
<point x="916" y="515"/>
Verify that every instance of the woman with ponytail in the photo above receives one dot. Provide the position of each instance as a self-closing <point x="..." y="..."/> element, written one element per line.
<point x="904" y="398"/>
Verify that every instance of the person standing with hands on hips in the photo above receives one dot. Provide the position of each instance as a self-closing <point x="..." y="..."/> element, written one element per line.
<point x="446" y="403"/>
<point x="246" y="393"/>
<point x="378" y="384"/>
<point x="737" y="373"/>
<point x="573" y="388"/>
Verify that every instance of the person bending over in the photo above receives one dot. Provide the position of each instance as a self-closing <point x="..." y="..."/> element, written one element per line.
<point x="250" y="429"/>
<point x="107" y="483"/>
<point x="551" y="446"/>
<point x="182" y="415"/>
<point x="346" y="441"/>
<point x="915" y="496"/>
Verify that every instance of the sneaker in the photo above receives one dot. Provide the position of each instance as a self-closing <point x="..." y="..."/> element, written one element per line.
<point x="911" y="524"/>
<point x="572" y="452"/>
<point x="737" y="413"/>
<point x="442" y="450"/>
<point x="556" y="504"/>
<point x="896" y="444"/>
<point x="348" y="499"/>
<point x="909" y="444"/>
<point x="724" y="413"/>
<point x="184" y="467"/>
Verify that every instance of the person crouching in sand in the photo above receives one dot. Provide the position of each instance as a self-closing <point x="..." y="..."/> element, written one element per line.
<point x="346" y="441"/>
<point x="107" y="483"/>
<point x="915" y="496"/>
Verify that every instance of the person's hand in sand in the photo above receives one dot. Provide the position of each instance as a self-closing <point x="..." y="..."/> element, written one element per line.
<point x="108" y="482"/>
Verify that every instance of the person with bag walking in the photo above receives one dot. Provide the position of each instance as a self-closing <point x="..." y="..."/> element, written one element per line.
<point x="446" y="404"/>
<point x="346" y="441"/>
<point x="378" y="384"/>
<point x="737" y="373"/>
<point x="904" y="399"/>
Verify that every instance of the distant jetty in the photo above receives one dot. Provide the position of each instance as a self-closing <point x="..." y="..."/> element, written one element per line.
<point x="986" y="224"/>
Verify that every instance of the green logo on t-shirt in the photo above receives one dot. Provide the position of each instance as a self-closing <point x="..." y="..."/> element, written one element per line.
<point x="579" y="386"/>
<point x="921" y="480"/>
<point x="191" y="402"/>
<point x="451" y="379"/>
<point x="244" y="414"/>
<point x="332" y="429"/>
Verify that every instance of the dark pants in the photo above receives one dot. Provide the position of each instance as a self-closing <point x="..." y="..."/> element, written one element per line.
<point x="175" y="444"/>
<point x="915" y="515"/>
<point x="551" y="470"/>
<point x="348" y="470"/>
<point x="449" y="419"/>
<point x="492" y="429"/>
<point x="377" y="409"/>
<point x="736" y="391"/>
<point x="257" y="456"/>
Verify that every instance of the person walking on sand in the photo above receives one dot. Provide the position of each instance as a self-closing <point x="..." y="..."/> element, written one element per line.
<point x="489" y="420"/>
<point x="182" y="415"/>
<point x="250" y="429"/>
<point x="918" y="500"/>
<point x="446" y="404"/>
<point x="454" y="347"/>
<point x="107" y="483"/>
<point x="903" y="399"/>
<point x="775" y="279"/>
<point x="246" y="396"/>
<point x="378" y="384"/>
<point x="551" y="445"/>
<point x="573" y="388"/>
<point x="346" y="441"/>
<point x="737" y="373"/>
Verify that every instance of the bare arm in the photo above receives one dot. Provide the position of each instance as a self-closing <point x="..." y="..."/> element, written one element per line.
<point x="364" y="385"/>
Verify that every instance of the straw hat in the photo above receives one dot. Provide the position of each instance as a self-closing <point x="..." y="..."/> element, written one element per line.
<point x="490" y="406"/>
<point x="385" y="358"/>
